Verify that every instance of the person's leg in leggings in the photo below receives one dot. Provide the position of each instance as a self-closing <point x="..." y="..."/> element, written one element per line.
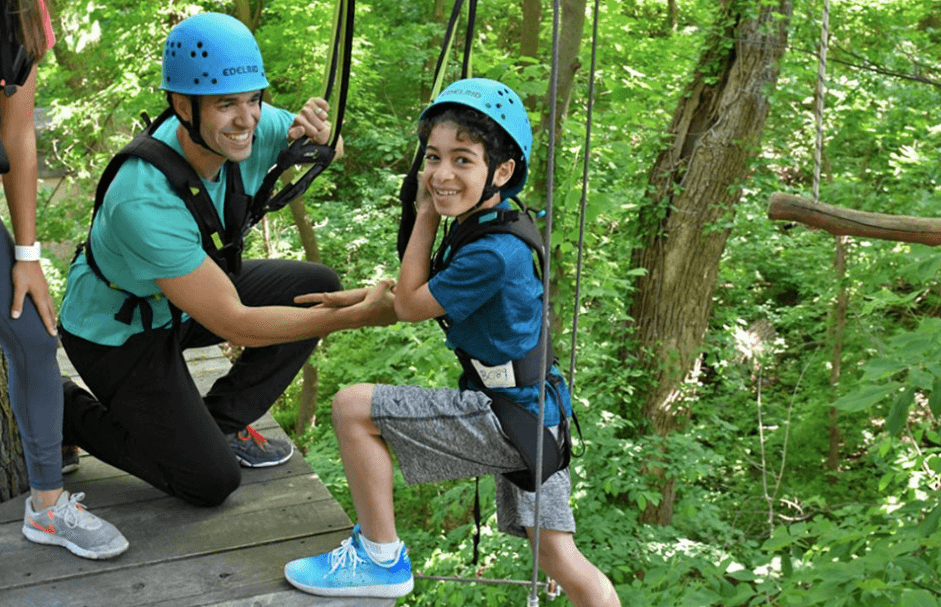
<point x="35" y="385"/>
<point x="151" y="420"/>
<point x="260" y="375"/>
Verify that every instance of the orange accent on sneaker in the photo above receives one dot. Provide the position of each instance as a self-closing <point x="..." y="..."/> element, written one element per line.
<point x="49" y="529"/>
<point x="254" y="434"/>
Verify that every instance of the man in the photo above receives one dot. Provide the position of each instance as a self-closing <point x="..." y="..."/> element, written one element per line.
<point x="149" y="290"/>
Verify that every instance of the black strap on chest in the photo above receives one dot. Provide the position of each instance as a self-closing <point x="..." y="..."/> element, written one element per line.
<point x="222" y="242"/>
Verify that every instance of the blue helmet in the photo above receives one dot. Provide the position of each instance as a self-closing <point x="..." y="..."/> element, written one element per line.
<point x="498" y="102"/>
<point x="212" y="54"/>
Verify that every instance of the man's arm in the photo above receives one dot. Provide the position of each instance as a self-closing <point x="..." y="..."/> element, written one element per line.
<point x="210" y="298"/>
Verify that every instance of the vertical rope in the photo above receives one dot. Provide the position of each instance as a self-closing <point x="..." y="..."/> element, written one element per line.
<point x="582" y="213"/>
<point x="550" y="180"/>
<point x="821" y="91"/>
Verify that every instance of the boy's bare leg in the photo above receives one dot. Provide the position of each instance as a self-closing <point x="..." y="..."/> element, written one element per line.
<point x="584" y="584"/>
<point x="367" y="462"/>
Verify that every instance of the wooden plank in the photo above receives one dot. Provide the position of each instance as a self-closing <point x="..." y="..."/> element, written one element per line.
<point x="169" y="529"/>
<point x="180" y="555"/>
<point x="232" y="579"/>
<point x="108" y="486"/>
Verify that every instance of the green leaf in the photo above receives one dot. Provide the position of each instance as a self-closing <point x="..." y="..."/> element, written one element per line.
<point x="930" y="524"/>
<point x="898" y="415"/>
<point x="866" y="398"/>
<point x="918" y="598"/>
<point x="934" y="400"/>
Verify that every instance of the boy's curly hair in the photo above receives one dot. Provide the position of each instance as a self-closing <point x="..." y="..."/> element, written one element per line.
<point x="479" y="128"/>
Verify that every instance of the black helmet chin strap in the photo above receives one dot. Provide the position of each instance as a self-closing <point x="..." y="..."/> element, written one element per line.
<point x="490" y="189"/>
<point x="193" y="127"/>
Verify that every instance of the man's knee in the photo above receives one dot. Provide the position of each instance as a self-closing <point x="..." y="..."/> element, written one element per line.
<point x="212" y="485"/>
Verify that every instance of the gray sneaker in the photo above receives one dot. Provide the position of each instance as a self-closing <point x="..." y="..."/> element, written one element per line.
<point x="70" y="460"/>
<point x="69" y="524"/>
<point x="253" y="450"/>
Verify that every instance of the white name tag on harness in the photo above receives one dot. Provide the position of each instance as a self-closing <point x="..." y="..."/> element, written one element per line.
<point x="500" y="376"/>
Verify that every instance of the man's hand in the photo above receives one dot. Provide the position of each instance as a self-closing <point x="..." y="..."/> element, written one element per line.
<point x="29" y="279"/>
<point x="312" y="121"/>
<point x="376" y="302"/>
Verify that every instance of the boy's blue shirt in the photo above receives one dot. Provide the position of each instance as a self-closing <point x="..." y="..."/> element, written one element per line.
<point x="493" y="300"/>
<point x="144" y="232"/>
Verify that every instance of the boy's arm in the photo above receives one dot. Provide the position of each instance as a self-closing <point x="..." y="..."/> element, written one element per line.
<point x="413" y="300"/>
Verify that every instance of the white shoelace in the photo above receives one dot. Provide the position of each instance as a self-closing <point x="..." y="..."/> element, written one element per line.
<point x="345" y="556"/>
<point x="75" y="515"/>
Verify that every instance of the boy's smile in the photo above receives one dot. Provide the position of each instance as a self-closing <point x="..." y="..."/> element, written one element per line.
<point x="456" y="170"/>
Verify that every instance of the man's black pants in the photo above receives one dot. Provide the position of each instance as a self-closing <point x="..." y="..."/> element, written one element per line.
<point x="147" y="417"/>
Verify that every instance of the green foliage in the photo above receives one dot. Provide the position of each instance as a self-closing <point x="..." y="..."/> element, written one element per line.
<point x="759" y="517"/>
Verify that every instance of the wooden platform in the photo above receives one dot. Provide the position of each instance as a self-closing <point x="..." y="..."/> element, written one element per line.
<point x="180" y="555"/>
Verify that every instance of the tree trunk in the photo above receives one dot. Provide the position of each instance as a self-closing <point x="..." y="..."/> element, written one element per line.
<point x="571" y="28"/>
<point x="307" y="407"/>
<point x="13" y="477"/>
<point x="529" y="36"/>
<point x="694" y="189"/>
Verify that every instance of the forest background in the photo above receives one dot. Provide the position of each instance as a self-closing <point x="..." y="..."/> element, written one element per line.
<point x="797" y="455"/>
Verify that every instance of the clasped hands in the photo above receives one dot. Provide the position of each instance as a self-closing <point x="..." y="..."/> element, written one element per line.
<point x="376" y="303"/>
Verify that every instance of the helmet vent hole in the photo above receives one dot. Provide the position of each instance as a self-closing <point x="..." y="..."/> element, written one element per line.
<point x="193" y="54"/>
<point x="205" y="54"/>
<point x="195" y="80"/>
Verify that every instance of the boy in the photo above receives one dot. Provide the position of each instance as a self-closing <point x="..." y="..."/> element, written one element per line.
<point x="476" y="138"/>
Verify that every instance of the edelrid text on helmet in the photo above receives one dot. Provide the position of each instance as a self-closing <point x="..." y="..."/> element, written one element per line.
<point x="501" y="104"/>
<point x="212" y="54"/>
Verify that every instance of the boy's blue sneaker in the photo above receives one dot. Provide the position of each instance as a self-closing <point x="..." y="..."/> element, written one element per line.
<point x="350" y="571"/>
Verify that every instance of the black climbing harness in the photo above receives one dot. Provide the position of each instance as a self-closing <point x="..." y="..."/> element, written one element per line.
<point x="222" y="242"/>
<point x="519" y="424"/>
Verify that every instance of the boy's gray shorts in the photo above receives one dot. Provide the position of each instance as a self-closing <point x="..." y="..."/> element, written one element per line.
<point x="447" y="434"/>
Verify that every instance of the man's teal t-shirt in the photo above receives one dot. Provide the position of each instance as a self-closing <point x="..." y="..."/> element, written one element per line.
<point x="143" y="232"/>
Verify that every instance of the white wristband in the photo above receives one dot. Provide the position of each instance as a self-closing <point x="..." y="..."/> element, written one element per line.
<point x="23" y="253"/>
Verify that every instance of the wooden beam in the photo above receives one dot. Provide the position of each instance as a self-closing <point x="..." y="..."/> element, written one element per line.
<point x="847" y="222"/>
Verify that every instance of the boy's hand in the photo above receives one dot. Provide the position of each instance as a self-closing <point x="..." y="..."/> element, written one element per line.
<point x="379" y="305"/>
<point x="423" y="200"/>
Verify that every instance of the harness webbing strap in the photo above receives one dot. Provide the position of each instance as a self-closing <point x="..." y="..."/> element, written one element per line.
<point x="302" y="150"/>
<point x="409" y="190"/>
